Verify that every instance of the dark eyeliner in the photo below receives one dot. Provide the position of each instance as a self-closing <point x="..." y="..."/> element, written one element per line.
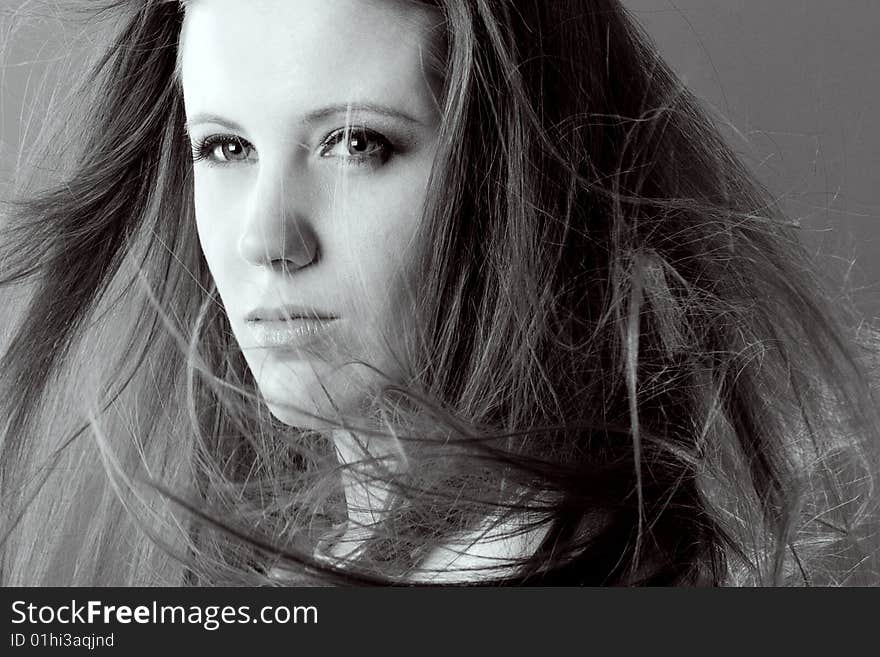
<point x="202" y="149"/>
<point x="383" y="153"/>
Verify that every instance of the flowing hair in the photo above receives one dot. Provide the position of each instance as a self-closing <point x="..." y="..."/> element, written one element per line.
<point x="615" y="342"/>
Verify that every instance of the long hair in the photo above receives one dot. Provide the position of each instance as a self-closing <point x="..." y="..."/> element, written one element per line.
<point x="614" y="340"/>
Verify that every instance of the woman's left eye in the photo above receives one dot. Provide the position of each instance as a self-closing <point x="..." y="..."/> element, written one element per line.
<point x="356" y="145"/>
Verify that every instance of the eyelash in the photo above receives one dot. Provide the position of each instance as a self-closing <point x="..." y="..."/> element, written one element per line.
<point x="380" y="153"/>
<point x="203" y="150"/>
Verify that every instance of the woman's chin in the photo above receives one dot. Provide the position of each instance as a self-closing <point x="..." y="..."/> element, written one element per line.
<point x="312" y="395"/>
<point x="307" y="409"/>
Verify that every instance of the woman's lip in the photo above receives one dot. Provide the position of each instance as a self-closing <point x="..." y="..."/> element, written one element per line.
<point x="295" y="334"/>
<point x="286" y="313"/>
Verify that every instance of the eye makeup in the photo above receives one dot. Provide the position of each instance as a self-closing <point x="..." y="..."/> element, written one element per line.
<point x="354" y="144"/>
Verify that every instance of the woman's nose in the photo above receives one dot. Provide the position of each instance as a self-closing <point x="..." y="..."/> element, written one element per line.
<point x="278" y="231"/>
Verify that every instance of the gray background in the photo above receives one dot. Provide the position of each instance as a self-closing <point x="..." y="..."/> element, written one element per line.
<point x="796" y="83"/>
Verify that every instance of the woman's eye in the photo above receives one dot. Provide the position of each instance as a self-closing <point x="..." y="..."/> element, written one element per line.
<point x="223" y="149"/>
<point x="356" y="145"/>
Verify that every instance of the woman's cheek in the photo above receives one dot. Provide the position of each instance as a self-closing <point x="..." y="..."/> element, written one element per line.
<point x="219" y="210"/>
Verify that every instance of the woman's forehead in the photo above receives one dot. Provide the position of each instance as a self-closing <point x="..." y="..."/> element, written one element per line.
<point x="410" y="20"/>
<point x="286" y="53"/>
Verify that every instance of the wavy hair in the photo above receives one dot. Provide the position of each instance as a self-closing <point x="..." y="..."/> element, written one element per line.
<point x="617" y="343"/>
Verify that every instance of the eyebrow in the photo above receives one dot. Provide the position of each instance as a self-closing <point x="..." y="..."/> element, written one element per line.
<point x="323" y="113"/>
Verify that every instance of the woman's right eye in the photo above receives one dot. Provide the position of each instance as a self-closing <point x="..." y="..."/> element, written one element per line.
<point x="223" y="149"/>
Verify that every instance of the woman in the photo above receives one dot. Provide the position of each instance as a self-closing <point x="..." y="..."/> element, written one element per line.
<point x="465" y="291"/>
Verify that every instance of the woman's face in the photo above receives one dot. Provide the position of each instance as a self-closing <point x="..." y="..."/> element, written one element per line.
<point x="314" y="126"/>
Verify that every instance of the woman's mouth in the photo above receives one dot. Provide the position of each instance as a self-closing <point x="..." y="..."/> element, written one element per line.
<point x="294" y="333"/>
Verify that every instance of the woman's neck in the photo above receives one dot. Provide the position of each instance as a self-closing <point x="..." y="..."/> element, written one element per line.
<point x="363" y="462"/>
<point x="483" y="553"/>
